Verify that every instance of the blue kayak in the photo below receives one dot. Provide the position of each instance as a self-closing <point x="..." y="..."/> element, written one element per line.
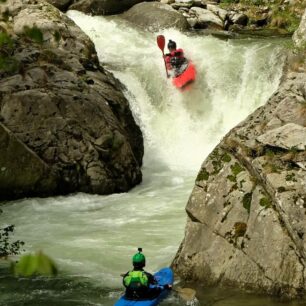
<point x="163" y="277"/>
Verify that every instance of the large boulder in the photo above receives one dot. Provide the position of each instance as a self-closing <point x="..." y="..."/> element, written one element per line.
<point x="206" y="19"/>
<point x="102" y="7"/>
<point x="64" y="109"/>
<point x="155" y="16"/>
<point x="247" y="212"/>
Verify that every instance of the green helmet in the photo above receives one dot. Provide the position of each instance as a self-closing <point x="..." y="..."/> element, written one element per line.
<point x="139" y="259"/>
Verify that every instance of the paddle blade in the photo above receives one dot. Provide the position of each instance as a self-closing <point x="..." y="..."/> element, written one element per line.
<point x="161" y="42"/>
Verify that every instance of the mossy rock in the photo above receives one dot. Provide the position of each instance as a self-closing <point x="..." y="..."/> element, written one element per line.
<point x="35" y="34"/>
<point x="203" y="175"/>
<point x="265" y="202"/>
<point x="236" y="169"/>
<point x="247" y="200"/>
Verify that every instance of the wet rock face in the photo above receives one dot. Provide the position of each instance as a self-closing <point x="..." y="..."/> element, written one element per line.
<point x="155" y="16"/>
<point x="247" y="212"/>
<point x="24" y="174"/>
<point x="64" y="108"/>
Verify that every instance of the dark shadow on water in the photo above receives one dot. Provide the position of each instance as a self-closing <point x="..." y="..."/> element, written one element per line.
<point x="53" y="291"/>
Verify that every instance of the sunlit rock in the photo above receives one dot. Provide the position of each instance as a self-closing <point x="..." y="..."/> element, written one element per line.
<point x="217" y="11"/>
<point x="206" y="19"/>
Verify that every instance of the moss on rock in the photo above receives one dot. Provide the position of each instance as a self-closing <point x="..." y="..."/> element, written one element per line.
<point x="247" y="200"/>
<point x="203" y="175"/>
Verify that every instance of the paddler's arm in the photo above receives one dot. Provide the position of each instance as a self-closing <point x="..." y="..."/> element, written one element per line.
<point x="167" y="58"/>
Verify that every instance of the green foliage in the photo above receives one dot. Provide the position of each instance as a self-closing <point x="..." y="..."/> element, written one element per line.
<point x="272" y="168"/>
<point x="35" y="264"/>
<point x="8" y="63"/>
<point x="226" y="158"/>
<point x="203" y="175"/>
<point x="270" y="153"/>
<point x="6" y="247"/>
<point x="247" y="200"/>
<point x="291" y="177"/>
<point x="229" y="1"/>
<point x="265" y="202"/>
<point x="285" y="19"/>
<point x="232" y="178"/>
<point x="236" y="169"/>
<point x="5" y="40"/>
<point x="218" y="158"/>
<point x="258" y="2"/>
<point x="35" y="34"/>
<point x="57" y="36"/>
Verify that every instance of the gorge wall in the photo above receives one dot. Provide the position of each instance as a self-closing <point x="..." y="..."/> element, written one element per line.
<point x="247" y="211"/>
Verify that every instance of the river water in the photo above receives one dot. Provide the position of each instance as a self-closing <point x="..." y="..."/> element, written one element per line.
<point x="91" y="237"/>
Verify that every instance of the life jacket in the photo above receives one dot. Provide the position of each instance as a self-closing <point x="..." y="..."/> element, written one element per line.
<point x="136" y="280"/>
<point x="176" y="61"/>
<point x="179" y="53"/>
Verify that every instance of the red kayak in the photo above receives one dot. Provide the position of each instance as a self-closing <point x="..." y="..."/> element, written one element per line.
<point x="183" y="81"/>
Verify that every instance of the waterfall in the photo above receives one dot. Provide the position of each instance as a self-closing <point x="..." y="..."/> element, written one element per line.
<point x="92" y="238"/>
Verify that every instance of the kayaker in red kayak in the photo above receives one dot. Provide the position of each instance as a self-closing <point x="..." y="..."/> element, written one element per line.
<point x="139" y="284"/>
<point x="175" y="60"/>
<point x="181" y="70"/>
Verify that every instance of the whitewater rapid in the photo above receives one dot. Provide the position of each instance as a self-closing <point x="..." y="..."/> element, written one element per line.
<point x="234" y="77"/>
<point x="91" y="237"/>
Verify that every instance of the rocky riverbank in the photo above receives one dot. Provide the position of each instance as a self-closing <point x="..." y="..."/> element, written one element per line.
<point x="278" y="16"/>
<point x="281" y="16"/>
<point x="65" y="123"/>
<point x="247" y="212"/>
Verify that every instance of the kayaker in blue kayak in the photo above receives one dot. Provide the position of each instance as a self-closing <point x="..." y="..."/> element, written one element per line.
<point x="176" y="61"/>
<point x="139" y="284"/>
